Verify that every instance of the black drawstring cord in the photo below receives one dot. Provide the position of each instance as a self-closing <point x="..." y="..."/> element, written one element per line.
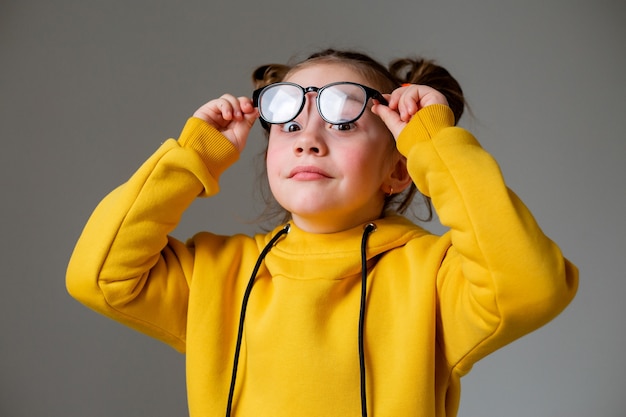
<point x="242" y="316"/>
<point x="369" y="228"/>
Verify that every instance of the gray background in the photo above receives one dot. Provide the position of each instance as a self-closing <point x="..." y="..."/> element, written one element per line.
<point x="89" y="89"/>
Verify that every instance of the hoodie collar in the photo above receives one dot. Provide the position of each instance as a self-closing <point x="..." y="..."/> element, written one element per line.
<point x="304" y="255"/>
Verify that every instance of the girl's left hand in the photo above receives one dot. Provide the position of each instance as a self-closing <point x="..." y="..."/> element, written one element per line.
<point x="404" y="102"/>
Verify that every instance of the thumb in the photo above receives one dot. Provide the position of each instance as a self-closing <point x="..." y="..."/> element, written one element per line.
<point x="390" y="117"/>
<point x="241" y="129"/>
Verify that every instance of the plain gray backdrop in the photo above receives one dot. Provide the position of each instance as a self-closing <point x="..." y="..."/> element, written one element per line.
<point x="89" y="89"/>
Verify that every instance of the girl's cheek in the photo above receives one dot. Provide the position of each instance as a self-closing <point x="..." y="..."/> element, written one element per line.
<point x="272" y="157"/>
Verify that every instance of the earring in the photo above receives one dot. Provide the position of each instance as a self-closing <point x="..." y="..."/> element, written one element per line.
<point x="390" y="192"/>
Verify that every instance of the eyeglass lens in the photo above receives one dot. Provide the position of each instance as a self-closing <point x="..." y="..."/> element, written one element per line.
<point x="338" y="103"/>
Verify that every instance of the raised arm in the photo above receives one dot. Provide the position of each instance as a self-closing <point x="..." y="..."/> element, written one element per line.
<point x="125" y="265"/>
<point x="501" y="276"/>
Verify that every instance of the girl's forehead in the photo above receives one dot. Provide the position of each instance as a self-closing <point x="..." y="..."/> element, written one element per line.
<point x="322" y="73"/>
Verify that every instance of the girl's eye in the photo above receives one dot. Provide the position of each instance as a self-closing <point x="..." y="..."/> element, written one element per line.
<point x="291" y="127"/>
<point x="343" y="126"/>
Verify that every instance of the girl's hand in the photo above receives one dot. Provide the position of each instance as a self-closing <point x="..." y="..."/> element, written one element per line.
<point x="404" y="102"/>
<point x="232" y="116"/>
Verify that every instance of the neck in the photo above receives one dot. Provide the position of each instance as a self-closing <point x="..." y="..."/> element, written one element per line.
<point x="331" y="224"/>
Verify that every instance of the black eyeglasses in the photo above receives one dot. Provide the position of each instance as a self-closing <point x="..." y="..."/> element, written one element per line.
<point x="337" y="103"/>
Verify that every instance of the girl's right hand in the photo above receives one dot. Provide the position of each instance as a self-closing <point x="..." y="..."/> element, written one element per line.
<point x="232" y="116"/>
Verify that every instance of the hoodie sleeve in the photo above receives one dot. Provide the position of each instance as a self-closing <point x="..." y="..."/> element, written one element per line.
<point x="501" y="277"/>
<point x="125" y="265"/>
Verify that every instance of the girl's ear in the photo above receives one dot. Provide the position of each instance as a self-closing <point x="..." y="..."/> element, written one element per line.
<point x="399" y="178"/>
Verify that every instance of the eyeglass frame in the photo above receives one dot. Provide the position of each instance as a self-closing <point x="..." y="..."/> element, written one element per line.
<point x="369" y="93"/>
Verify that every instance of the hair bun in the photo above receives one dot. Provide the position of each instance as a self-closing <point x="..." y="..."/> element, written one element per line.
<point x="268" y="74"/>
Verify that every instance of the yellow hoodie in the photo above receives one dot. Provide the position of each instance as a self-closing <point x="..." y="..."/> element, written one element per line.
<point x="434" y="305"/>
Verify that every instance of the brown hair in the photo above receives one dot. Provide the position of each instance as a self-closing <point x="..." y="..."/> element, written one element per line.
<point x="385" y="79"/>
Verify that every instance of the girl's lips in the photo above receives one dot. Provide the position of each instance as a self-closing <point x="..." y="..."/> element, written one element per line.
<point x="308" y="173"/>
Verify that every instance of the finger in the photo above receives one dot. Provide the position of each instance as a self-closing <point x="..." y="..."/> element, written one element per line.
<point x="392" y="99"/>
<point x="217" y="110"/>
<point x="407" y="105"/>
<point x="249" y="112"/>
<point x="231" y="107"/>
<point x="390" y="117"/>
<point x="220" y="112"/>
<point x="246" y="106"/>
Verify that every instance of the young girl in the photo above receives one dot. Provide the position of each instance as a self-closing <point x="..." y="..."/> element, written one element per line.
<point x="347" y="308"/>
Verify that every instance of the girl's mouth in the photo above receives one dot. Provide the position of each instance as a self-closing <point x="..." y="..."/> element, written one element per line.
<point x="308" y="173"/>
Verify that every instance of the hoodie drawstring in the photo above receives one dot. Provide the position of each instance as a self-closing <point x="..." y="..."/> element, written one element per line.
<point x="369" y="228"/>
<point x="242" y="315"/>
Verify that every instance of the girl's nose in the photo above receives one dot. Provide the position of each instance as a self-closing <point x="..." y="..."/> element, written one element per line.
<point x="311" y="139"/>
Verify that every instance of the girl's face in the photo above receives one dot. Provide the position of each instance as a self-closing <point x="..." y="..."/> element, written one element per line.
<point x="330" y="177"/>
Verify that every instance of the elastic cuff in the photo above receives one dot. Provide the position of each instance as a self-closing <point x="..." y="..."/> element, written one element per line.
<point x="217" y="152"/>
<point x="425" y="124"/>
